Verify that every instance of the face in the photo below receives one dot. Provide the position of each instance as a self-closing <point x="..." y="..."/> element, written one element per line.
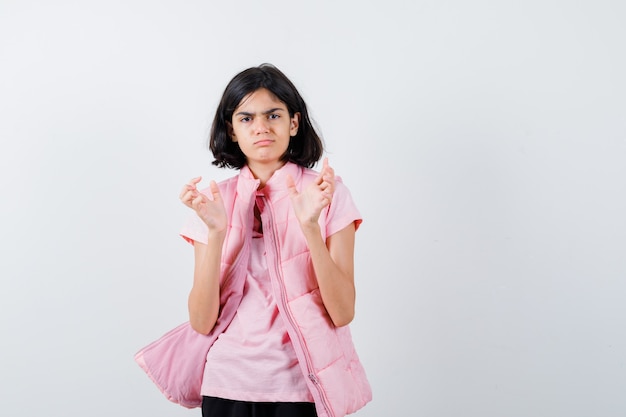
<point x="262" y="127"/>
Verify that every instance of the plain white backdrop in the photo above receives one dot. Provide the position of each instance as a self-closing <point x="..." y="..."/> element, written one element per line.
<point x="483" y="141"/>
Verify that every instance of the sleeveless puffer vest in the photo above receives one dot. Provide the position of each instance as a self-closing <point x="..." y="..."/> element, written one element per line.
<point x="326" y="354"/>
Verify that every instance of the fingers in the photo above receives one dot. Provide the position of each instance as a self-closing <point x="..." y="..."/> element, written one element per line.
<point x="326" y="174"/>
<point x="190" y="191"/>
<point x="197" y="201"/>
<point x="190" y="186"/>
<point x="327" y="184"/>
<point x="327" y="169"/>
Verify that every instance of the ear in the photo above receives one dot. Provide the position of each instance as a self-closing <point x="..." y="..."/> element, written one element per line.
<point x="295" y="123"/>
<point x="230" y="131"/>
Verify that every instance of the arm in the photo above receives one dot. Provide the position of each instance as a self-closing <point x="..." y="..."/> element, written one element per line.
<point x="333" y="260"/>
<point x="204" y="297"/>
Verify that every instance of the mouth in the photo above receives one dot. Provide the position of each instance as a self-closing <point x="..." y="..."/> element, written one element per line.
<point x="263" y="142"/>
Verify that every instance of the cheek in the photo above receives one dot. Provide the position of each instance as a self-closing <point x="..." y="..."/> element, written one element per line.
<point x="238" y="131"/>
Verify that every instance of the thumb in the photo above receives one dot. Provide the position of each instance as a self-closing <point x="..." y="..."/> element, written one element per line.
<point x="291" y="186"/>
<point x="215" y="191"/>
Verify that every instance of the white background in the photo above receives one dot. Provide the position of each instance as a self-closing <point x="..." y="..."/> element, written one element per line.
<point x="484" y="142"/>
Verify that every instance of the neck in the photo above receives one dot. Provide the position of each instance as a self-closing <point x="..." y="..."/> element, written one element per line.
<point x="264" y="172"/>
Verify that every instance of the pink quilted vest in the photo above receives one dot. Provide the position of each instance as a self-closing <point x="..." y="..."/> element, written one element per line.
<point x="326" y="353"/>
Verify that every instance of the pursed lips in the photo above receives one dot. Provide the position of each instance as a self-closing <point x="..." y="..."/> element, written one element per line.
<point x="263" y="142"/>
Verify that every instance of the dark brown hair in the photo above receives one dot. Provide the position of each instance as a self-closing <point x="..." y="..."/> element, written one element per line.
<point x="305" y="148"/>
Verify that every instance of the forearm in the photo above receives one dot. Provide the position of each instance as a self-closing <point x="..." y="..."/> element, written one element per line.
<point x="335" y="277"/>
<point x="204" y="297"/>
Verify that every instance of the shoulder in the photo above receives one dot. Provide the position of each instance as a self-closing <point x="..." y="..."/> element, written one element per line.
<point x="228" y="183"/>
<point x="225" y="186"/>
<point x="309" y="175"/>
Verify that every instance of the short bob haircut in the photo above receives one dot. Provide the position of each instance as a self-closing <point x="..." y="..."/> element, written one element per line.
<point x="305" y="148"/>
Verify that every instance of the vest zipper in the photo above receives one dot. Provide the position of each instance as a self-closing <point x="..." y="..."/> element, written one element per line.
<point x="268" y="225"/>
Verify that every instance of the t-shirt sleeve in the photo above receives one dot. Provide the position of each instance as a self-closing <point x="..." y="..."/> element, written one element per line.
<point x="195" y="229"/>
<point x="342" y="210"/>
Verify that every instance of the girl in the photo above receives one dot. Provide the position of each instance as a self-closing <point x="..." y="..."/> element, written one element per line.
<point x="273" y="286"/>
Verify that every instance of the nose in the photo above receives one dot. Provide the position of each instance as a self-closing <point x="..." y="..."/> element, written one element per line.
<point x="260" y="125"/>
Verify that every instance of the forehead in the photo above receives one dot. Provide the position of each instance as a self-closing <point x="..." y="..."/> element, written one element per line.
<point x="260" y="99"/>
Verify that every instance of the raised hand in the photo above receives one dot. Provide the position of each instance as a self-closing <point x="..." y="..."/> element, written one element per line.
<point x="210" y="209"/>
<point x="309" y="203"/>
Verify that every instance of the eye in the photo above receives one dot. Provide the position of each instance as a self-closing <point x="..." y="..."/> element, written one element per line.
<point x="245" y="119"/>
<point x="273" y="116"/>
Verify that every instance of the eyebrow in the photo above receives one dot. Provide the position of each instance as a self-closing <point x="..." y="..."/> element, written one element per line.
<point x="245" y="113"/>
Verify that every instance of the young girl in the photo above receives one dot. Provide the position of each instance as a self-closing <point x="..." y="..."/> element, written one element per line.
<point x="273" y="286"/>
